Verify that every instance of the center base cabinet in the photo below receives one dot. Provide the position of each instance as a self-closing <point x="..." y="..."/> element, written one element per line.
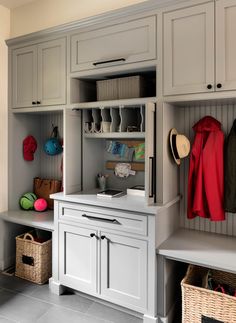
<point x="107" y="253"/>
<point x="122" y="262"/>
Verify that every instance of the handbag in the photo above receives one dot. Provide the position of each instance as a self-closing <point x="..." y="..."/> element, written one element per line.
<point x="44" y="187"/>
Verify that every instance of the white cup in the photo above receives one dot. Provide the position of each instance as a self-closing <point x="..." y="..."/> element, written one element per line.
<point x="106" y="126"/>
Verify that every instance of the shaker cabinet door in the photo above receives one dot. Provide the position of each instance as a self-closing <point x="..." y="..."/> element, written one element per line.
<point x="52" y="72"/>
<point x="39" y="74"/>
<point x="225" y="45"/>
<point x="124" y="270"/>
<point x="78" y="258"/>
<point x="189" y="50"/>
<point x="24" y="76"/>
<point x="125" y="43"/>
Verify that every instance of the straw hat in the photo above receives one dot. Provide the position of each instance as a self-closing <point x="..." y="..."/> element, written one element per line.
<point x="180" y="145"/>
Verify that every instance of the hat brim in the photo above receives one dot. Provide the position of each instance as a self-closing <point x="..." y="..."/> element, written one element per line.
<point x="173" y="133"/>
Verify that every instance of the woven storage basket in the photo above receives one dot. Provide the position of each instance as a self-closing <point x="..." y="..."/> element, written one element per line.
<point x="33" y="259"/>
<point x="198" y="301"/>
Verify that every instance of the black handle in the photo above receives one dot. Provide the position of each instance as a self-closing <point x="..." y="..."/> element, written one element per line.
<point x="92" y="235"/>
<point x="27" y="260"/>
<point x="110" y="61"/>
<point x="219" y="86"/>
<point x="151" y="176"/>
<point x="96" y="218"/>
<point x="33" y="102"/>
<point x="209" y="86"/>
<point x="38" y="102"/>
<point x="103" y="237"/>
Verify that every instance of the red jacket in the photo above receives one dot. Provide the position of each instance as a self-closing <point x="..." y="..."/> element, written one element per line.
<point x="206" y="171"/>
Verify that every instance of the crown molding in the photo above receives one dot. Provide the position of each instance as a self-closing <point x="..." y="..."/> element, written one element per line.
<point x="98" y="19"/>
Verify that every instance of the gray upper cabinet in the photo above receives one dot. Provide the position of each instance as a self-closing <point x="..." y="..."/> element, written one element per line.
<point x="39" y="74"/>
<point x="189" y="50"/>
<point x="125" y="43"/>
<point x="199" y="48"/>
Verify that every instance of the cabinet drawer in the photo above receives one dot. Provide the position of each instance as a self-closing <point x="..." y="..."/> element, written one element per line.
<point x="120" y="221"/>
<point x="125" y="43"/>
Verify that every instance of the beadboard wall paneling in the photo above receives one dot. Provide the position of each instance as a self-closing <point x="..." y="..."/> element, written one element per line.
<point x="188" y="116"/>
<point x="50" y="166"/>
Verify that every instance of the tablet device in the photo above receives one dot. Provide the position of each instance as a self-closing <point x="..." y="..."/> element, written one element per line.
<point x="109" y="193"/>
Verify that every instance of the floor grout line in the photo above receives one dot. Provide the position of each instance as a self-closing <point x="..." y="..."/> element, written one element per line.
<point x="55" y="305"/>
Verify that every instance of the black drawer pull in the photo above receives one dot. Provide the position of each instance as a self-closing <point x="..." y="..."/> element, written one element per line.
<point x="103" y="237"/>
<point x="95" y="218"/>
<point x="110" y="61"/>
<point x="28" y="260"/>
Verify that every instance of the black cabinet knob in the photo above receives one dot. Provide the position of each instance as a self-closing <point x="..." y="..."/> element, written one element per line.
<point x="103" y="237"/>
<point x="209" y="86"/>
<point x="92" y="235"/>
<point x="38" y="102"/>
<point x="33" y="102"/>
<point x="219" y="86"/>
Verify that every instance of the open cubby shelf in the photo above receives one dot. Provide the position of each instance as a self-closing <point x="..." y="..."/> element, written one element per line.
<point x="38" y="220"/>
<point x="113" y="87"/>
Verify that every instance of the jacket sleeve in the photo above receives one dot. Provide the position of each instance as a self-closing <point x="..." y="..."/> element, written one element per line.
<point x="196" y="192"/>
<point x="213" y="169"/>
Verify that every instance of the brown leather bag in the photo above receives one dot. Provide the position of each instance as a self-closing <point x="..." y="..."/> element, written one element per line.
<point x="44" y="187"/>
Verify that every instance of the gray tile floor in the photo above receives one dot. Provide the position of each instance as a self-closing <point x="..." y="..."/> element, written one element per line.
<point x="24" y="302"/>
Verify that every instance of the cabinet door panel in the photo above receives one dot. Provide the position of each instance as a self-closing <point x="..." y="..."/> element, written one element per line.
<point x="24" y="85"/>
<point x="150" y="153"/>
<point x="225" y="44"/>
<point x="72" y="157"/>
<point x="124" y="270"/>
<point x="78" y="258"/>
<point x="133" y="41"/>
<point x="52" y="72"/>
<point x="189" y="50"/>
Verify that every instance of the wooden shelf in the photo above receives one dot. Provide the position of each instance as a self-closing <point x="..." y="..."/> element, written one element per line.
<point x="201" y="248"/>
<point x="128" y="135"/>
<point x="113" y="103"/>
<point x="138" y="167"/>
<point x="43" y="220"/>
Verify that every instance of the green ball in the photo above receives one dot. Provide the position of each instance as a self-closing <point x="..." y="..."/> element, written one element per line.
<point x="27" y="201"/>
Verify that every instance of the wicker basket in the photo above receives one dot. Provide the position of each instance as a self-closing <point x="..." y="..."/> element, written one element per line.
<point x="198" y="302"/>
<point x="33" y="259"/>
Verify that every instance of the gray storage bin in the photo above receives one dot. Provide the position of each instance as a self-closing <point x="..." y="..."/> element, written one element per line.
<point x="120" y="88"/>
<point x="130" y="87"/>
<point x="107" y="90"/>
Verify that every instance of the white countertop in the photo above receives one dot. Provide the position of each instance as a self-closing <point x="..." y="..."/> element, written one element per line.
<point x="125" y="202"/>
<point x="201" y="248"/>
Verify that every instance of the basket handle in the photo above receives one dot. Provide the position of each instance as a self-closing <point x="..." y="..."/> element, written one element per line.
<point x="28" y="235"/>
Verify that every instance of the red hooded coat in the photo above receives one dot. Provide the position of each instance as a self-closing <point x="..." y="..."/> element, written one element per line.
<point x="206" y="171"/>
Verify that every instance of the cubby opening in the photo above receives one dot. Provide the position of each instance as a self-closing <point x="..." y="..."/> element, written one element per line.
<point x="112" y="135"/>
<point x="22" y="172"/>
<point x="183" y="116"/>
<point x="100" y="157"/>
<point x="134" y="84"/>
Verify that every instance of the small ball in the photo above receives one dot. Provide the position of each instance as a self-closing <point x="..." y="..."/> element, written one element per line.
<point x="27" y="201"/>
<point x="40" y="205"/>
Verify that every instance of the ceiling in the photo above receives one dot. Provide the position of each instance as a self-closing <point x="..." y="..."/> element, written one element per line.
<point x="14" y="3"/>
